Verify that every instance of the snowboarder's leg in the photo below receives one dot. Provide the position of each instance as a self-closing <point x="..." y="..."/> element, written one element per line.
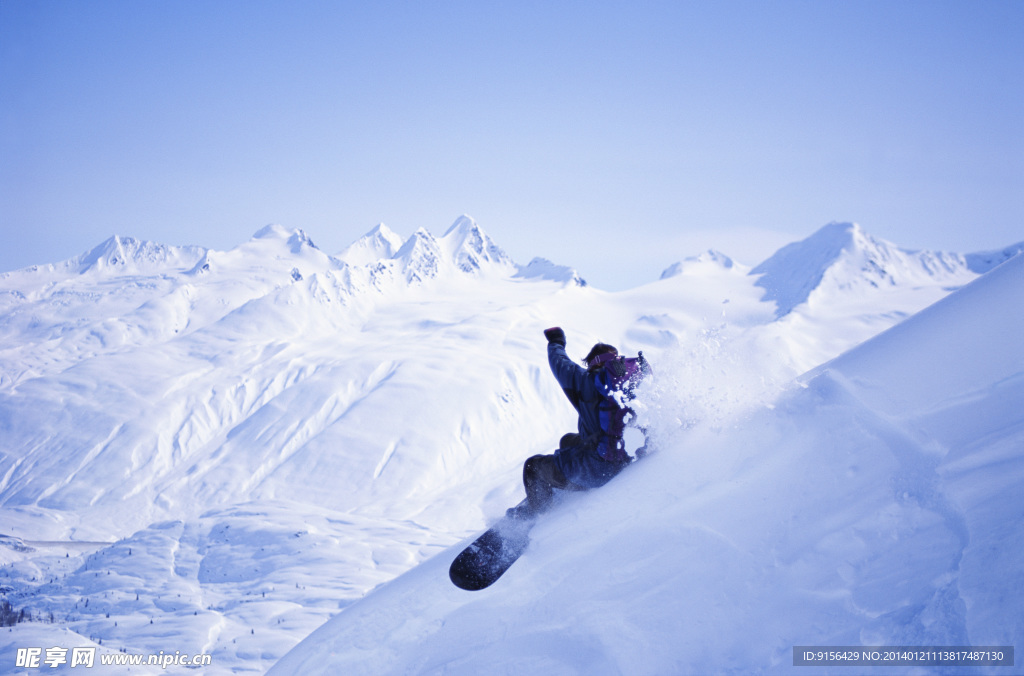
<point x="541" y="477"/>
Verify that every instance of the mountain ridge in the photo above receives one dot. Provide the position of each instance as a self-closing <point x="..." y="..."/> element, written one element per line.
<point x="841" y="254"/>
<point x="789" y="277"/>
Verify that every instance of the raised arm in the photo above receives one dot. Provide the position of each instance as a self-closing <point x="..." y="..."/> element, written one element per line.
<point x="570" y="375"/>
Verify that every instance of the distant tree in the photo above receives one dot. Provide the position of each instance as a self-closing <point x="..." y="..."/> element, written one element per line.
<point x="10" y="617"/>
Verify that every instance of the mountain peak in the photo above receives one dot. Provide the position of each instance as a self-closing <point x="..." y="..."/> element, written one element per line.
<point x="542" y="268"/>
<point x="843" y="255"/>
<point x="381" y="231"/>
<point x="469" y="247"/>
<point x="794" y="271"/>
<point x="110" y="252"/>
<point x="378" y="244"/>
<point x="463" y="224"/>
<point x="420" y="256"/>
<point x="121" y="253"/>
<point x="840" y="230"/>
<point x="272" y="230"/>
<point x="295" y="237"/>
<point x="709" y="259"/>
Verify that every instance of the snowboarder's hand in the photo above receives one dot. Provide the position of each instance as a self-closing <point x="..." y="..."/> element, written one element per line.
<point x="555" y="335"/>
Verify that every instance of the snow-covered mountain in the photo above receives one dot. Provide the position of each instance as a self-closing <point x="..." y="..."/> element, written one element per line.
<point x="696" y="263"/>
<point x="984" y="261"/>
<point x="841" y="286"/>
<point x="471" y="248"/>
<point x="542" y="268"/>
<point x="127" y="255"/>
<point x="378" y="244"/>
<point x="227" y="447"/>
<point x="842" y="257"/>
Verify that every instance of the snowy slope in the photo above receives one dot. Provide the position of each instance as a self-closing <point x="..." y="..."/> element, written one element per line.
<point x="738" y="542"/>
<point x="227" y="447"/>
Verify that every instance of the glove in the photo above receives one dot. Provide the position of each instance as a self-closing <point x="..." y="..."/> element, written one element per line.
<point x="555" y="335"/>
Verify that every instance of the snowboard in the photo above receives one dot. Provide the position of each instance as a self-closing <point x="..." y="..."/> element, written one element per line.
<point x="490" y="555"/>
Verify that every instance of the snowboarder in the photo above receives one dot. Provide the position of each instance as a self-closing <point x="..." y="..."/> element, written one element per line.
<point x="585" y="459"/>
<point x="595" y="453"/>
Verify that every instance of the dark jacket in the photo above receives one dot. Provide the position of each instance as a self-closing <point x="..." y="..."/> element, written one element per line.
<point x="581" y="463"/>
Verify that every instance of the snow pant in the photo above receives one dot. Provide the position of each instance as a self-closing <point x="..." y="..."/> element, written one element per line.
<point x="541" y="476"/>
<point x="575" y="466"/>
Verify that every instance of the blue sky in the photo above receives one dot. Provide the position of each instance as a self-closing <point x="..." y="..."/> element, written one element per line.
<point x="614" y="137"/>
